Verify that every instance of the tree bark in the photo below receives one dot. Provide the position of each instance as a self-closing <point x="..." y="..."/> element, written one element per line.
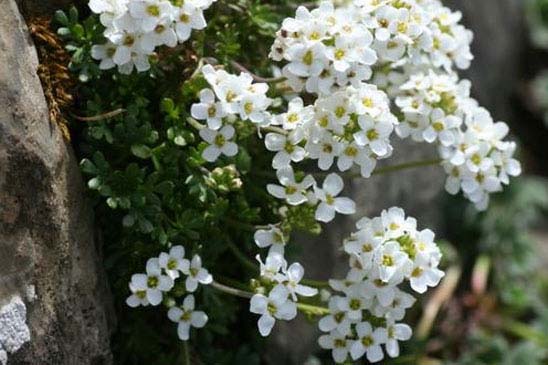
<point x="52" y="285"/>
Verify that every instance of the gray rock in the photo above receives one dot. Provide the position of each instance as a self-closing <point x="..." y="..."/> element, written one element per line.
<point x="14" y="331"/>
<point x="46" y="227"/>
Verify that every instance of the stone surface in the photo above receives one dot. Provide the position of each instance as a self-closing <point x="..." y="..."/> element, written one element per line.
<point x="46" y="227"/>
<point x="14" y="331"/>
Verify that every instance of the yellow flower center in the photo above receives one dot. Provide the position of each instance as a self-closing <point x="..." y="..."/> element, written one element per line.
<point x="220" y="140"/>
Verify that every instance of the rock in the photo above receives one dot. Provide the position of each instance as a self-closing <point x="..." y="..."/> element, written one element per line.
<point x="14" y="331"/>
<point x="47" y="240"/>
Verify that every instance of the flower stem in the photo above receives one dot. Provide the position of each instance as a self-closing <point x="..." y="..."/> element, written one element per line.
<point x="186" y="354"/>
<point x="194" y="123"/>
<point x="257" y="78"/>
<point x="95" y="118"/>
<point x="312" y="309"/>
<point x="232" y="291"/>
<point x="305" y="308"/>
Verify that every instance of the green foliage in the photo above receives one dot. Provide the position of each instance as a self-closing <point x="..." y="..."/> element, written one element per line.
<point x="152" y="188"/>
<point x="79" y="37"/>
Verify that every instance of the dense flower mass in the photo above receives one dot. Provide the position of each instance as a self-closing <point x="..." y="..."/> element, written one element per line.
<point x="153" y="287"/>
<point x="359" y="74"/>
<point x="365" y="314"/>
<point x="330" y="47"/>
<point x="437" y="108"/>
<point x="231" y="97"/>
<point x="135" y="28"/>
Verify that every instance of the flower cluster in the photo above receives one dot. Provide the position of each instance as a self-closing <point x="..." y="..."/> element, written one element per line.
<point x="351" y="126"/>
<point x="386" y="252"/>
<point x="135" y="28"/>
<point x="437" y="108"/>
<point x="416" y="32"/>
<point x="324" y="48"/>
<point x="231" y="97"/>
<point x="277" y="297"/>
<point x="330" y="47"/>
<point x="151" y="287"/>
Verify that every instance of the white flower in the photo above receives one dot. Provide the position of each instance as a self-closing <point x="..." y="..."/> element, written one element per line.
<point x="149" y="286"/>
<point x="187" y="18"/>
<point x="219" y="143"/>
<point x="297" y="115"/>
<point x="196" y="274"/>
<point x="291" y="280"/>
<point x="293" y="192"/>
<point x="324" y="150"/>
<point x="396" y="332"/>
<point x="208" y="109"/>
<point x="338" y="343"/>
<point x="187" y="317"/>
<point x="374" y="134"/>
<point x="273" y="238"/>
<point x="330" y="203"/>
<point x="307" y="61"/>
<point x="253" y="106"/>
<point x="395" y="222"/>
<point x="275" y="306"/>
<point x="174" y="262"/>
<point x="369" y="342"/>
<point x="424" y="276"/>
<point x="104" y="53"/>
<point x="352" y="153"/>
<point x="149" y="12"/>
<point x="287" y="148"/>
<point x="354" y="303"/>
<point x="272" y="265"/>
<point x="441" y="128"/>
<point x="389" y="260"/>
<point x="337" y="319"/>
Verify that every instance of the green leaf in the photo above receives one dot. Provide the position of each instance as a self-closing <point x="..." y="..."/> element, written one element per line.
<point x="73" y="14"/>
<point x="141" y="151"/>
<point x="88" y="167"/>
<point x="61" y="18"/>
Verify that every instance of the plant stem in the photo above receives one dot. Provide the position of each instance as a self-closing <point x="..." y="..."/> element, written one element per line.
<point x="315" y="283"/>
<point x="257" y="78"/>
<point x="95" y="118"/>
<point x="305" y="308"/>
<point x="186" y="354"/>
<point x="273" y="129"/>
<point x="194" y="123"/>
<point x="312" y="309"/>
<point x="232" y="291"/>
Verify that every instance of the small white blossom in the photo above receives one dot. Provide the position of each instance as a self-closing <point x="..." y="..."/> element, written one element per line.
<point x="275" y="306"/>
<point x="149" y="287"/>
<point x="187" y="317"/>
<point x="329" y="200"/>
<point x="196" y="274"/>
<point x="174" y="262"/>
<point x="219" y="143"/>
